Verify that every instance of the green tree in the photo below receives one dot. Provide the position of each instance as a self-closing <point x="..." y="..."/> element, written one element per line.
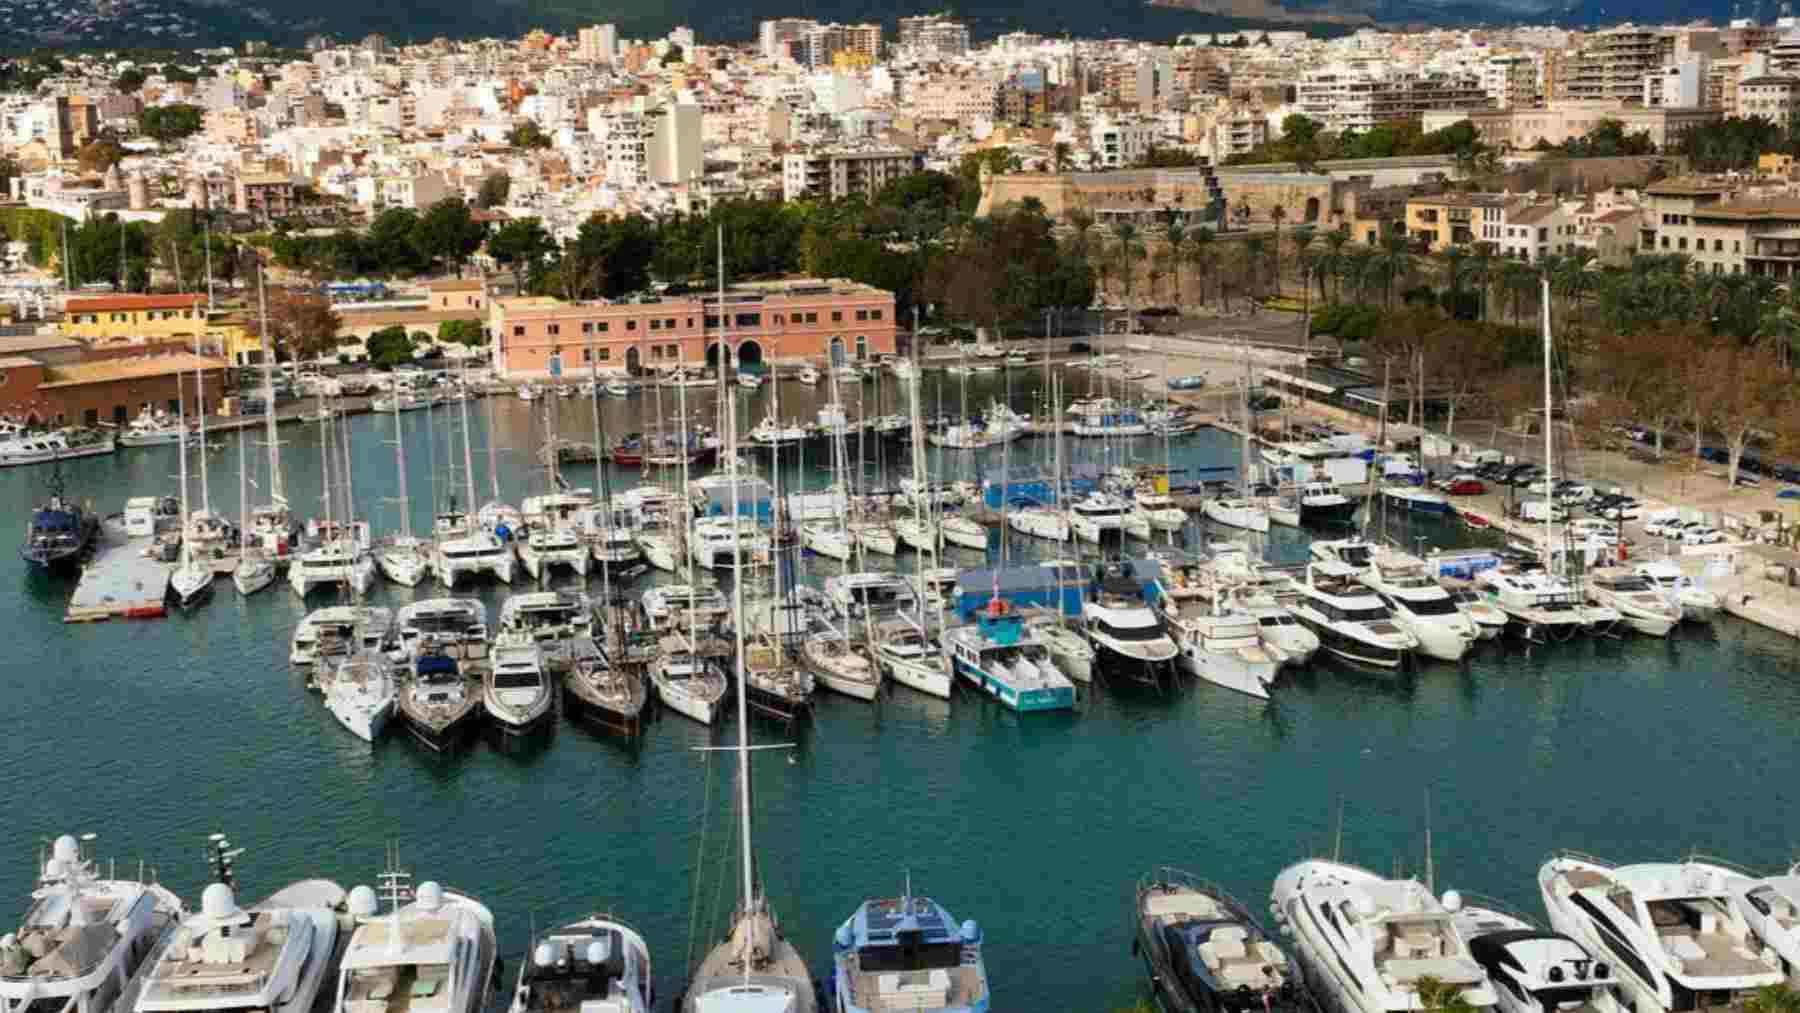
<point x="527" y="136"/>
<point x="461" y="332"/>
<point x="392" y="244"/>
<point x="619" y="249"/>
<point x="170" y="123"/>
<point x="518" y="245"/>
<point x="390" y="346"/>
<point x="495" y="188"/>
<point x="129" y="80"/>
<point x="447" y="232"/>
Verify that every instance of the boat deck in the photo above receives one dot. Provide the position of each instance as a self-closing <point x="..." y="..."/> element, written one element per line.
<point x="120" y="581"/>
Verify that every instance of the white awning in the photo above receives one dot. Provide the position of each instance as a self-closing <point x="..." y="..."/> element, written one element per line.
<point x="1296" y="381"/>
<point x="1374" y="401"/>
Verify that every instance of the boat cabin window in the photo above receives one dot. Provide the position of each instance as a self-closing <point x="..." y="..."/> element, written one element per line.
<point x="911" y="954"/>
<point x="1339" y="613"/>
<point x="1430" y="606"/>
<point x="1552" y="1000"/>
<point x="1354" y="555"/>
<point x="1132" y="633"/>
<point x="523" y="677"/>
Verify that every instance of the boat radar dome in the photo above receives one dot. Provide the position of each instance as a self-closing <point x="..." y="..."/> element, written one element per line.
<point x="971" y="932"/>
<point x="1364" y="904"/>
<point x="362" y="903"/>
<point x="549" y="953"/>
<point x="218" y="903"/>
<point x="66" y="849"/>
<point x="1452" y="901"/>
<point x="430" y="896"/>
<point x="599" y="951"/>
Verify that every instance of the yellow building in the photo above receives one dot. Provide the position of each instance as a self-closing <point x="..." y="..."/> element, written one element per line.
<point x="114" y="320"/>
<point x="1774" y="164"/>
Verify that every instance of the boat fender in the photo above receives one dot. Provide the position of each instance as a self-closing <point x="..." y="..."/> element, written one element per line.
<point x="844" y="938"/>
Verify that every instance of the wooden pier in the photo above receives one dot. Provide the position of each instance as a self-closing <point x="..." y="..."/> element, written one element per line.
<point x="120" y="581"/>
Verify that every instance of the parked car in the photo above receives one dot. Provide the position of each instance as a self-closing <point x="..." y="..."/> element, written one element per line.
<point x="1604" y="532"/>
<point x="1463" y="484"/>
<point x="1080" y="348"/>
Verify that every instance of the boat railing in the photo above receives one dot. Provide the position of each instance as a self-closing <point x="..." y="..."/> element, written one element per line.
<point x="1169" y="875"/>
<point x="1582" y="856"/>
<point x="1701" y="858"/>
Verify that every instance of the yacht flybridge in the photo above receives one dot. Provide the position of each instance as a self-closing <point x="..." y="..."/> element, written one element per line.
<point x="1366" y="942"/>
<point x="82" y="936"/>
<point x="907" y="952"/>
<point x="1350" y="620"/>
<point x="597" y="964"/>
<point x="432" y="955"/>
<point x="273" y="958"/>
<point x="1672" y="932"/>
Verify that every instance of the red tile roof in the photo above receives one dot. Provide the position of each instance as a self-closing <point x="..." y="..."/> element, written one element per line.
<point x="111" y="303"/>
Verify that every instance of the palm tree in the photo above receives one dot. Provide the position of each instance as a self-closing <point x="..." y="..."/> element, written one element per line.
<point x="1082" y="221"/>
<point x="1482" y="266"/>
<point x="1256" y="250"/>
<point x="1397" y="262"/>
<point x="1455" y="267"/>
<point x="1305" y="255"/>
<point x="1278" y="214"/>
<point x="1063" y="154"/>
<point x="1173" y="236"/>
<point x="1359" y="266"/>
<point x="1517" y="280"/>
<point x="1571" y="276"/>
<point x="1200" y="252"/>
<point x="1128" y="246"/>
<point x="1334" y="241"/>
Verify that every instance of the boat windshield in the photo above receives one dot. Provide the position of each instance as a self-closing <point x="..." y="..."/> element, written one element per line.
<point x="1429" y="606"/>
<point x="1281" y="620"/>
<point x="1354" y="555"/>
<point x="1131" y="633"/>
<point x="521" y="677"/>
<point x="909" y="956"/>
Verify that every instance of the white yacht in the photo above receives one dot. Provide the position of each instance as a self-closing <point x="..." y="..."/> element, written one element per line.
<point x="1541" y="605"/>
<point x="656" y="537"/>
<point x="342" y="560"/>
<point x="1245" y="585"/>
<point x="909" y="655"/>
<point x="335" y="632"/>
<point x="873" y="594"/>
<point x="718" y="541"/>
<point x="273" y="958"/>
<point x="1039" y="522"/>
<point x="613" y="547"/>
<point x="1069" y="650"/>
<point x="553" y="619"/>
<point x="455" y="627"/>
<point x="1350" y="621"/>
<point x="1531" y="970"/>
<point x="1096" y="516"/>
<point x="82" y="937"/>
<point x="1671" y="932"/>
<point x="598" y="964"/>
<point x="1222" y="647"/>
<point x="1236" y="512"/>
<point x="1771" y="905"/>
<point x="517" y="693"/>
<point x="842" y="665"/>
<point x="1422" y="607"/>
<point x="827" y="538"/>
<point x="477" y="552"/>
<point x="1322" y="502"/>
<point x="1366" y="942"/>
<point x="918" y="531"/>
<point x="685" y="682"/>
<point x="555" y="543"/>
<point x="1160" y="512"/>
<point x="667" y="606"/>
<point x="1121" y="623"/>
<point x="1489" y="619"/>
<point x="152" y="429"/>
<point x="964" y="531"/>
<point x="1697" y="603"/>
<point x="434" y="954"/>
<point x="360" y="692"/>
<point x="1352" y="551"/>
<point x="878" y="537"/>
<point x="1641" y="605"/>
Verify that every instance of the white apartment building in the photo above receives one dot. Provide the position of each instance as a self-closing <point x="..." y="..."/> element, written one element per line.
<point x="1119" y="142"/>
<point x="597" y="43"/>
<point x="1773" y="98"/>
<point x="1238" y="133"/>
<point x="672" y="151"/>
<point x="620" y="143"/>
<point x="958" y="98"/>
<point x="1513" y="80"/>
<point x="838" y="173"/>
<point x="1356" y="98"/>
<point x="933" y="35"/>
<point x="1679" y="85"/>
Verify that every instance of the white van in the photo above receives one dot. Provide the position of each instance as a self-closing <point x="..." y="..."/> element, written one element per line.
<point x="1471" y="459"/>
<point x="1540" y="510"/>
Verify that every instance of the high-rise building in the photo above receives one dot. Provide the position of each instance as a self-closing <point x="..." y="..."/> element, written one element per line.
<point x="864" y="40"/>
<point x="822" y="43"/>
<point x="777" y="36"/>
<point x="933" y="35"/>
<point x="597" y="43"/>
<point x="673" y="154"/>
<point x="1614" y="63"/>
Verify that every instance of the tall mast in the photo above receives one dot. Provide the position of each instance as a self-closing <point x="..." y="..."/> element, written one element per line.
<point x="200" y="408"/>
<point x="748" y="866"/>
<point x="686" y="515"/>
<point x="493" y="468"/>
<point x="1244" y="461"/>
<point x="1549" y="436"/>
<point x="468" y="468"/>
<point x="277" y="492"/>
<point x="400" y="462"/>
<point x="243" y="495"/>
<point x="181" y="452"/>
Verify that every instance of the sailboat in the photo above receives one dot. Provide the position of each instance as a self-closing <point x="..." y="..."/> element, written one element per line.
<point x="271" y="524"/>
<point x="832" y="537"/>
<point x="921" y="530"/>
<point x="754" y="969"/>
<point x="551" y="537"/>
<point x="203" y="527"/>
<point x="255" y="570"/>
<point x="465" y="548"/>
<point x="503" y="519"/>
<point x="192" y="579"/>
<point x="402" y="557"/>
<point x="342" y="554"/>
<point x="1240" y="511"/>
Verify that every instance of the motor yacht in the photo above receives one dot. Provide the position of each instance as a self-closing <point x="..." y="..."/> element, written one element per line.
<point x="1351" y="621"/>
<point x="668" y="606"/>
<point x="1697" y="603"/>
<point x="516" y="693"/>
<point x="439" y="701"/>
<point x="551" y="618"/>
<point x="872" y="595"/>
<point x="360" y="693"/>
<point x="1352" y="551"/>
<point x="152" y="429"/>
<point x="1039" y="521"/>
<point x="1365" y="943"/>
<point x="435" y="952"/>
<point x="1160" y="512"/>
<point x="273" y="958"/>
<point x="1641" y="605"/>
<point x="1097" y="516"/>
<point x="1421" y="607"/>
<point x="1771" y="906"/>
<point x="1323" y="503"/>
<point x="1221" y="645"/>
<point x="1671" y="932"/>
<point x="1236" y="512"/>
<point x="1540" y="605"/>
<point x="1531" y="970"/>
<point x="910" y="656"/>
<point x="1207" y="953"/>
<point x="1002" y="658"/>
<point x="453" y="627"/>
<point x="598" y="964"/>
<point x="83" y="936"/>
<point x="687" y="683"/>
<point x="1490" y="621"/>
<point x="907" y="952"/>
<point x="1122" y="626"/>
<point x="328" y="635"/>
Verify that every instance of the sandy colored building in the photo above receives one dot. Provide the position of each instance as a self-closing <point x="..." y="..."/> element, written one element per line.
<point x="111" y="390"/>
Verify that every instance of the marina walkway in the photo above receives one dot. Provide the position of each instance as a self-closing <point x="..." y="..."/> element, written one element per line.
<point x="120" y="581"/>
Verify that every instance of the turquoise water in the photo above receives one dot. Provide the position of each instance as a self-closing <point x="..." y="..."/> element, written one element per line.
<point x="154" y="734"/>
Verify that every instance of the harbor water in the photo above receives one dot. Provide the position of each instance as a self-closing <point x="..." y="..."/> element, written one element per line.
<point x="154" y="734"/>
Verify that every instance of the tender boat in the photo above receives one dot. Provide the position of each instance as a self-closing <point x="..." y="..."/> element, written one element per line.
<point x="83" y="936"/>
<point x="1365" y="943"/>
<point x="999" y="656"/>
<point x="907" y="952"/>
<point x="439" y="702"/>
<point x="1669" y="931"/>
<point x="274" y="958"/>
<point x="360" y="693"/>
<point x="597" y="965"/>
<point x="1206" y="953"/>
<point x="516" y="692"/>
<point x="1351" y="621"/>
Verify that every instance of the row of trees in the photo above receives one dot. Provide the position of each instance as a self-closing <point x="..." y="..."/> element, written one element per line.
<point x="400" y="241"/>
<point x="1306" y="141"/>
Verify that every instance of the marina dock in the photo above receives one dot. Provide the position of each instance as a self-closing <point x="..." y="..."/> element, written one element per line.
<point x="120" y="581"/>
